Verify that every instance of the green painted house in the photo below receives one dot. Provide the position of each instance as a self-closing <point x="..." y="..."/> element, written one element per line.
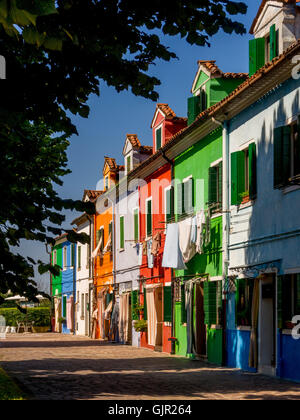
<point x="198" y="189"/>
<point x="56" y="258"/>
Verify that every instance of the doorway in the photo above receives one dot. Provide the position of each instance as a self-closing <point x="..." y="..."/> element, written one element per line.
<point x="199" y="324"/>
<point x="86" y="315"/>
<point x="267" y="330"/>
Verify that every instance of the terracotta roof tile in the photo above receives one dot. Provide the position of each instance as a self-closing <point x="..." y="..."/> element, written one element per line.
<point x="214" y="70"/>
<point x="133" y="138"/>
<point x="111" y="163"/>
<point x="92" y="194"/>
<point x="147" y="150"/>
<point x="261" y="8"/>
<point x="168" y="112"/>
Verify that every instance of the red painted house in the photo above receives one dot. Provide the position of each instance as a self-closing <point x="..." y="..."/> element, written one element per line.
<point x="156" y="197"/>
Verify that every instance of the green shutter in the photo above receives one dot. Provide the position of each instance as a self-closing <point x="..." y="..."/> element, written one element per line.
<point x="167" y="304"/>
<point x="280" y="280"/>
<point x="183" y="310"/>
<point x="210" y="302"/>
<point x="136" y="225"/>
<point x="122" y="244"/>
<point x="64" y="306"/>
<point x="179" y="199"/>
<point x="220" y="184"/>
<point x="79" y="257"/>
<point x="273" y="42"/>
<point x="256" y="55"/>
<point x="203" y="106"/>
<point x="98" y="233"/>
<point x="149" y="217"/>
<point x="252" y="172"/>
<point x="188" y="196"/>
<point x="237" y="177"/>
<point x="213" y="185"/>
<point x="158" y="139"/>
<point x="102" y="235"/>
<point x="134" y="304"/>
<point x="72" y="255"/>
<point x="145" y="305"/>
<point x="128" y="163"/>
<point x="194" y="108"/>
<point x="170" y="204"/>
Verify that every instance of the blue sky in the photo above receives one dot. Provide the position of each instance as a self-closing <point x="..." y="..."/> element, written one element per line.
<point x="113" y="115"/>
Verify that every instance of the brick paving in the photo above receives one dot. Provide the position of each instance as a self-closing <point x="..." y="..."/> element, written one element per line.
<point x="53" y="366"/>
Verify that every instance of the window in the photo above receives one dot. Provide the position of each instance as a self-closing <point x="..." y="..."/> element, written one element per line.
<point x="243" y="175"/>
<point x="82" y="306"/>
<point x="286" y="154"/>
<point x="136" y="224"/>
<point x="122" y="239"/>
<point x="64" y="309"/>
<point x="215" y="186"/>
<point x="243" y="301"/>
<point x="65" y="258"/>
<point x="263" y="50"/>
<point x="288" y="295"/>
<point x="128" y="163"/>
<point x="54" y="262"/>
<point x="106" y="182"/>
<point x="79" y="257"/>
<point x="158" y="138"/>
<point x="149" y="217"/>
<point x="77" y="301"/>
<point x="102" y="239"/>
<point x="169" y="197"/>
<point x="185" y="197"/>
<point x="72" y="254"/>
<point x="212" y="302"/>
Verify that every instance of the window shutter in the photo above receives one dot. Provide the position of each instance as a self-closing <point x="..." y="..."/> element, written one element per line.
<point x="273" y="42"/>
<point x="213" y="185"/>
<point x="220" y="184"/>
<point x="134" y="304"/>
<point x="179" y="199"/>
<point x="79" y="257"/>
<point x="280" y="301"/>
<point x="278" y="146"/>
<point x="122" y="245"/>
<point x="256" y="55"/>
<point x="72" y="255"/>
<point x="128" y="163"/>
<point x="64" y="306"/>
<point x="170" y="204"/>
<point x="183" y="310"/>
<point x="252" y="171"/>
<point x="203" y="100"/>
<point x="149" y="217"/>
<point x="188" y="196"/>
<point x="167" y="304"/>
<point x="286" y="153"/>
<point x="158" y="139"/>
<point x="145" y="305"/>
<point x="237" y="177"/>
<point x="210" y="302"/>
<point x="102" y="236"/>
<point x="136" y="225"/>
<point x="98" y="233"/>
<point x="194" y="104"/>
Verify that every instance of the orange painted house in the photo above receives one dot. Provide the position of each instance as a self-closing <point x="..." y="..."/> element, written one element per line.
<point x="155" y="209"/>
<point x="103" y="260"/>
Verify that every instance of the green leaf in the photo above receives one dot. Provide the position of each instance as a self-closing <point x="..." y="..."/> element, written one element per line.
<point x="54" y="44"/>
<point x="39" y="8"/>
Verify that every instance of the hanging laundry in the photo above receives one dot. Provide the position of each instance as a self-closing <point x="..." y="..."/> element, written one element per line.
<point x="108" y="246"/>
<point x="96" y="250"/>
<point x="140" y="253"/>
<point x="156" y="243"/>
<point x="149" y="254"/>
<point x="207" y="227"/>
<point x="187" y="248"/>
<point x="194" y="230"/>
<point x="200" y="220"/>
<point x="172" y="256"/>
<point x="69" y="313"/>
<point x="145" y="248"/>
<point x="108" y="310"/>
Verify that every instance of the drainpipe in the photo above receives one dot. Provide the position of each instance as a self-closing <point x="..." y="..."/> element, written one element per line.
<point x="225" y="221"/>
<point x="171" y="162"/>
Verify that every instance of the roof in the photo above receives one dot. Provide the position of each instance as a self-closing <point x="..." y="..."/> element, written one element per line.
<point x="111" y="162"/>
<point x="92" y="194"/>
<point x="251" y="90"/>
<point x="261" y="8"/>
<point x="214" y="70"/>
<point x="168" y="113"/>
<point x="136" y="144"/>
<point x="80" y="219"/>
<point x="133" y="138"/>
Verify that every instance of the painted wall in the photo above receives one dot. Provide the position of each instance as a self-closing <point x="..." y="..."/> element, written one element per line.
<point x="128" y="270"/>
<point x="288" y="351"/>
<point x="84" y="282"/>
<point x="56" y="280"/>
<point x="237" y="349"/>
<point x="68" y="287"/>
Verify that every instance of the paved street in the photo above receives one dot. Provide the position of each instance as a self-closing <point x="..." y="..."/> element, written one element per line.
<point x="53" y="366"/>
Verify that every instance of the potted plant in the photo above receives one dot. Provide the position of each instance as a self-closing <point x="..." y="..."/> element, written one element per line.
<point x="141" y="326"/>
<point x="245" y="196"/>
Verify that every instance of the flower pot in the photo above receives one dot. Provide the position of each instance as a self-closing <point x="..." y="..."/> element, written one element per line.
<point x="40" y="330"/>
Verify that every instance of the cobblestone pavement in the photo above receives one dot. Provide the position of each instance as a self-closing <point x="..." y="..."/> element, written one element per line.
<point x="53" y="366"/>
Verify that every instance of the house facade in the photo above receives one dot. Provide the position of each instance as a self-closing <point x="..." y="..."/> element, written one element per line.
<point x="68" y="285"/>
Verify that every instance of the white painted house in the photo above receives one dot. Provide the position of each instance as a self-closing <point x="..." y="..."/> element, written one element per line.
<point x="127" y="239"/>
<point x="84" y="277"/>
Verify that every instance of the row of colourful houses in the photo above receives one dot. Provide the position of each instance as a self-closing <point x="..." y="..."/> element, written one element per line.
<point x="195" y="242"/>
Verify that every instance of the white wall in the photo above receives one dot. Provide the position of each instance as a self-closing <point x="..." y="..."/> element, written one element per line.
<point x="266" y="230"/>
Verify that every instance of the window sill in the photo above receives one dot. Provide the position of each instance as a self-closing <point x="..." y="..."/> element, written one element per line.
<point x="122" y="250"/>
<point x="246" y="204"/>
<point x="243" y="328"/>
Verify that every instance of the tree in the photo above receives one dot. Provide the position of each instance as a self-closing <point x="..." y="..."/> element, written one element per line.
<point x="57" y="53"/>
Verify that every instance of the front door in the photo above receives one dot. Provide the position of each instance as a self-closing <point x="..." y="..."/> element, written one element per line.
<point x="86" y="314"/>
<point x="199" y="325"/>
<point x="267" y="319"/>
<point x="159" y="321"/>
